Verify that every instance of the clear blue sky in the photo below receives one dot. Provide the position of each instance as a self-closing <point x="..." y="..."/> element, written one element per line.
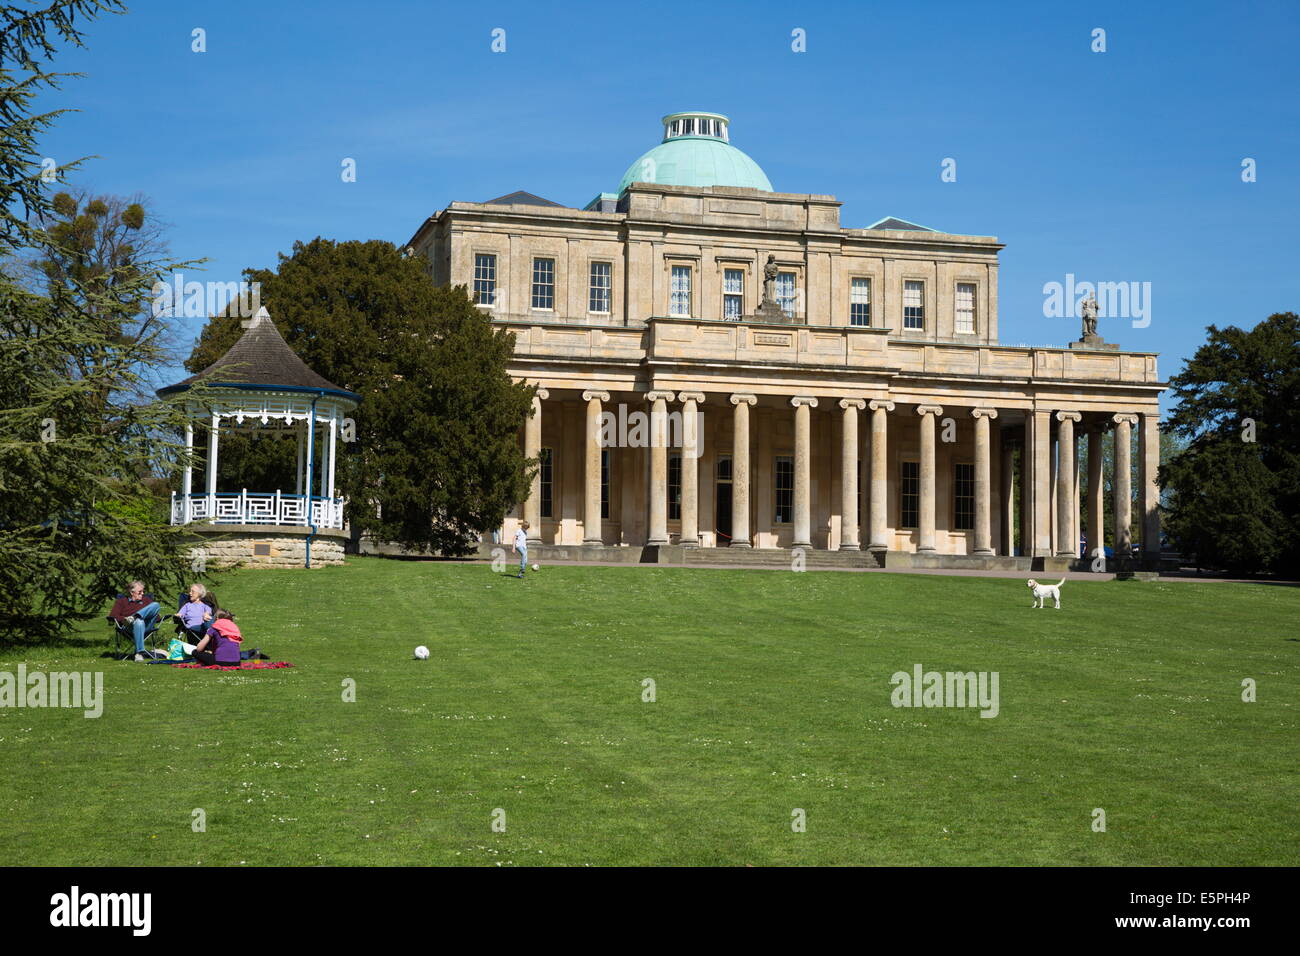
<point x="1115" y="166"/>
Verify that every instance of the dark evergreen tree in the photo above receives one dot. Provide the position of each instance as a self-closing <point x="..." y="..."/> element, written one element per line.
<point x="78" y="450"/>
<point x="436" y="460"/>
<point x="1234" y="492"/>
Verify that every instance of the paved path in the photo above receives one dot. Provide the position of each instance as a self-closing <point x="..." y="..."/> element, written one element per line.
<point x="953" y="572"/>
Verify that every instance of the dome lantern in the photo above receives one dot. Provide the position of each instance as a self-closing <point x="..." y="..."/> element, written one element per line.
<point x="696" y="151"/>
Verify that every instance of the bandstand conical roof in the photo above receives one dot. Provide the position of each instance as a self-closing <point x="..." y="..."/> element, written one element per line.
<point x="262" y="360"/>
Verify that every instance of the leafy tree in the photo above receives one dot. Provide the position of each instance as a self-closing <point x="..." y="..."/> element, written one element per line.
<point x="76" y="452"/>
<point x="436" y="460"/>
<point x="1234" y="492"/>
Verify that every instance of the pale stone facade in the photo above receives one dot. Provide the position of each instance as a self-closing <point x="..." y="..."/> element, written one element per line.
<point x="263" y="547"/>
<point x="818" y="432"/>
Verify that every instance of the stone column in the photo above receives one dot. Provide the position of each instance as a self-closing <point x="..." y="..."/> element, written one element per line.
<point x="187" y="482"/>
<point x="691" y="449"/>
<point x="213" y="429"/>
<point x="740" y="478"/>
<point x="1149" y="490"/>
<point x="983" y="484"/>
<point x="1007" y="497"/>
<point x="925" y="509"/>
<point x="591" y="526"/>
<point x="802" y="470"/>
<point x="849" y="538"/>
<point x="1096" y="506"/>
<point x="533" y="450"/>
<point x="1038" y="456"/>
<point x="879" y="474"/>
<point x="1123" y="485"/>
<point x="1067" y="543"/>
<point x="658" y="466"/>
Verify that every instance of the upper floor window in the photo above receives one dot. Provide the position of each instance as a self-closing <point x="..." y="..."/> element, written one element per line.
<point x="680" y="300"/>
<point x="543" y="283"/>
<point x="733" y="293"/>
<point x="485" y="279"/>
<point x="601" y="284"/>
<point x="913" y="304"/>
<point x="860" y="302"/>
<point x="785" y="294"/>
<point x="964" y="320"/>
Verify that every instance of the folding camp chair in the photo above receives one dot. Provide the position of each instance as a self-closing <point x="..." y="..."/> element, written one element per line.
<point x="124" y="636"/>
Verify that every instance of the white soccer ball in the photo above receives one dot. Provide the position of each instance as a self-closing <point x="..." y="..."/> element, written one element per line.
<point x="537" y="567"/>
<point x="421" y="653"/>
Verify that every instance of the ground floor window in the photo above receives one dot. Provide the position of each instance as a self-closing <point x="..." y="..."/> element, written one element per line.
<point x="604" y="482"/>
<point x="547" y="458"/>
<point x="784" y="489"/>
<point x="909" y="494"/>
<point x="963" y="496"/>
<point x="674" y="487"/>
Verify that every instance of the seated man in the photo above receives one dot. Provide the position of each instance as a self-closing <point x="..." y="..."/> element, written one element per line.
<point x="137" y="609"/>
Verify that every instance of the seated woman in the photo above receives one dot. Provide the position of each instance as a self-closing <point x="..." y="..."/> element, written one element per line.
<point x="197" y="613"/>
<point x="138" y="610"/>
<point x="221" y="644"/>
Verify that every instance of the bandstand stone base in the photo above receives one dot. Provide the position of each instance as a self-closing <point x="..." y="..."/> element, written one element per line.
<point x="267" y="546"/>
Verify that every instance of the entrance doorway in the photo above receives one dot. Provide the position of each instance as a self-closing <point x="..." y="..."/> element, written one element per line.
<point x="722" y="508"/>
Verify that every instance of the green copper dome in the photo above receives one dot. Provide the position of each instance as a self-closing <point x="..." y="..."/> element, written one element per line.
<point x="696" y="152"/>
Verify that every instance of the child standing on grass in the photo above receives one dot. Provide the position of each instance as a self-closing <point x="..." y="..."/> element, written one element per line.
<point x="521" y="546"/>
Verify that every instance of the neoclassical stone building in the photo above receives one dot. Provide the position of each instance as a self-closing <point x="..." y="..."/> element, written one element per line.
<point x="849" y="385"/>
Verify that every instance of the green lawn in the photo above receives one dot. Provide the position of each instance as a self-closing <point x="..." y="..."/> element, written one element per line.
<point x="773" y="693"/>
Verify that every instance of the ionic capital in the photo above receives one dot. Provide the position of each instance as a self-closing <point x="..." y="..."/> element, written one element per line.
<point x="542" y="394"/>
<point x="659" y="396"/>
<point x="881" y="404"/>
<point x="929" y="410"/>
<point x="1124" y="418"/>
<point x="696" y="397"/>
<point x="741" y="398"/>
<point x="1068" y="417"/>
<point x="858" y="403"/>
<point x="596" y="394"/>
<point x="803" y="400"/>
<point x="984" y="413"/>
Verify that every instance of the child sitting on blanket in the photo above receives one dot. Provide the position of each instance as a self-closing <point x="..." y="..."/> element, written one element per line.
<point x="222" y="642"/>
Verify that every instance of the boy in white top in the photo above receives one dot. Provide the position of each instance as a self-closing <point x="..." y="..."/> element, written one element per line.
<point x="521" y="546"/>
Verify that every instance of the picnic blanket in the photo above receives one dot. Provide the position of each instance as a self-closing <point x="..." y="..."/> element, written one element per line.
<point x="241" y="666"/>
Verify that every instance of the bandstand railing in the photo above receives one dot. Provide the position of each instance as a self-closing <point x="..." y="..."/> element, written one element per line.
<point x="242" y="507"/>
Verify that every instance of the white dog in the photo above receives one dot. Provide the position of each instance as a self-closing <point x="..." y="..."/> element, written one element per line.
<point x="1042" y="591"/>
